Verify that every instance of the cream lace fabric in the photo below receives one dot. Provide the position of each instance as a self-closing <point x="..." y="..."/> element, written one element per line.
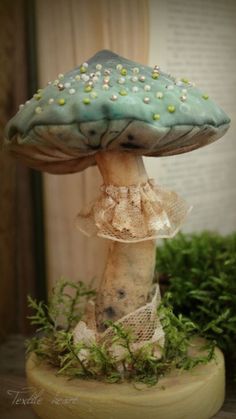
<point x="134" y="213"/>
<point x="144" y="324"/>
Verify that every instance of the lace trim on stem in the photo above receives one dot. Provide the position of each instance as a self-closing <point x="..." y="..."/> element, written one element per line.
<point x="134" y="213"/>
<point x="144" y="323"/>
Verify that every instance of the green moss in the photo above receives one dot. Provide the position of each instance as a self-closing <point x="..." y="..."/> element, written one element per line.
<point x="54" y="341"/>
<point x="199" y="270"/>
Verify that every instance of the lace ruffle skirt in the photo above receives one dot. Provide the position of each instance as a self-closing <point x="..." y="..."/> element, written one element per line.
<point x="134" y="213"/>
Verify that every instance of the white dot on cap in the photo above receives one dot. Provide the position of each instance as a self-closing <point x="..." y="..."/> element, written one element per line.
<point x="72" y="91"/>
<point x="142" y="78"/>
<point x="135" y="89"/>
<point x="98" y="66"/>
<point x="85" y="77"/>
<point x="114" y="98"/>
<point x="38" y="109"/>
<point x="147" y="88"/>
<point x="50" y="101"/>
<point x="93" y="95"/>
<point x="67" y="85"/>
<point x="146" y="100"/>
<point x="121" y="80"/>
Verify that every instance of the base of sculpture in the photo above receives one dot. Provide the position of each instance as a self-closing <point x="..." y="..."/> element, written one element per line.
<point x="195" y="394"/>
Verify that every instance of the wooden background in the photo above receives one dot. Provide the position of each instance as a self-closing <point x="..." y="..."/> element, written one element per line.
<point x="17" y="271"/>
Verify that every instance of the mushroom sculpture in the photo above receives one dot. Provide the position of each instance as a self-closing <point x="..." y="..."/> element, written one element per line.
<point x="112" y="111"/>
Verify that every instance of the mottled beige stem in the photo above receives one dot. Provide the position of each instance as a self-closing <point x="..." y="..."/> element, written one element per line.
<point x="130" y="266"/>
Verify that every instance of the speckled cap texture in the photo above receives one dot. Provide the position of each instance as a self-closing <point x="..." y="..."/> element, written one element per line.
<point x="111" y="103"/>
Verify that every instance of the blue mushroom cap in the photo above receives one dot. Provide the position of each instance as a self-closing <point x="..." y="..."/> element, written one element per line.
<point x="111" y="103"/>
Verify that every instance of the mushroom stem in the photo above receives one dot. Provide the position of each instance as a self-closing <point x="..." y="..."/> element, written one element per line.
<point x="130" y="266"/>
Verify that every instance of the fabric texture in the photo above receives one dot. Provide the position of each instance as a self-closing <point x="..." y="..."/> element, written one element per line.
<point x="134" y="213"/>
<point x="143" y="323"/>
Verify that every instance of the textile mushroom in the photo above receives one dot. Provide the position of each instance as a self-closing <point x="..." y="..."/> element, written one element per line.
<point x="112" y="111"/>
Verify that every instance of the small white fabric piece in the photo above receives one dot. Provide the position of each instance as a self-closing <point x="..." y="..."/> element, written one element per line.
<point x="134" y="213"/>
<point x="82" y="334"/>
<point x="143" y="323"/>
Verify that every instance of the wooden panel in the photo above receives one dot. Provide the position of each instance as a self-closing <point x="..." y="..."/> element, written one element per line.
<point x="79" y="30"/>
<point x="16" y="255"/>
<point x="7" y="182"/>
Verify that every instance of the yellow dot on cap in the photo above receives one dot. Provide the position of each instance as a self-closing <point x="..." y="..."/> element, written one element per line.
<point x="38" y="109"/>
<point x="156" y="116"/>
<point x="184" y="80"/>
<point x="123" y="72"/>
<point x="155" y="76"/>
<point x="37" y="96"/>
<point x="61" y="102"/>
<point x="86" y="101"/>
<point x="83" y="69"/>
<point x="123" y="92"/>
<point x="88" y="88"/>
<point x="171" y="108"/>
<point x="205" y="96"/>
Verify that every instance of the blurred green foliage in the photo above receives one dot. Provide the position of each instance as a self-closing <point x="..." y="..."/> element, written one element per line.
<point x="199" y="270"/>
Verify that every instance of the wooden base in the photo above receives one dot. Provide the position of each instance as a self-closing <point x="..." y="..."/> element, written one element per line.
<point x="196" y="394"/>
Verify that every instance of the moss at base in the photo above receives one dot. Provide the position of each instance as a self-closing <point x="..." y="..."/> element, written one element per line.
<point x="195" y="394"/>
<point x="54" y="342"/>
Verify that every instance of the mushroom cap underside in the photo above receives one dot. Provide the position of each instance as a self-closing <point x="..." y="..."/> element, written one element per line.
<point x="66" y="149"/>
<point x="111" y="103"/>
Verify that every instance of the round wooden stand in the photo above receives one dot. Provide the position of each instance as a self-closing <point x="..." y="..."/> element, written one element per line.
<point x="196" y="394"/>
